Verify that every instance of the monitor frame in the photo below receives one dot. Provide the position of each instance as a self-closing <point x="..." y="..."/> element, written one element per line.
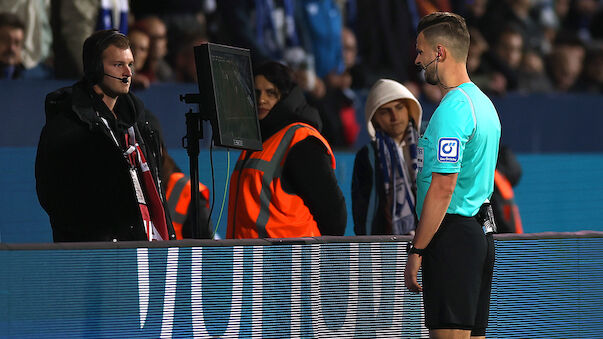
<point x="209" y="103"/>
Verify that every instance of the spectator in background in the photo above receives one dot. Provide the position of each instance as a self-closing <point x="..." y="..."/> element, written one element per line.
<point x="550" y="14"/>
<point x="323" y="21"/>
<point x="566" y="62"/>
<point x="508" y="52"/>
<point x="181" y="53"/>
<point x="384" y="182"/>
<point x="338" y="107"/>
<point x="273" y="30"/>
<point x="596" y="26"/>
<point x="477" y="47"/>
<point x="72" y="22"/>
<point x="509" y="47"/>
<point x="499" y="66"/>
<point x="182" y="56"/>
<point x="180" y="17"/>
<point x="426" y="7"/>
<point x="302" y="66"/>
<point x="513" y="13"/>
<point x="532" y="74"/>
<point x="156" y="68"/>
<point x="386" y="33"/>
<point x="473" y="11"/>
<point x="12" y="31"/>
<point x="140" y="45"/>
<point x="593" y="69"/>
<point x="354" y="70"/>
<point x="113" y="15"/>
<point x="37" y="41"/>
<point x="270" y="29"/>
<point x="580" y="16"/>
<point x="524" y="69"/>
<point x="175" y="14"/>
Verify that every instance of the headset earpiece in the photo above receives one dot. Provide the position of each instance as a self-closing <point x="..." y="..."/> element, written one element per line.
<point x="95" y="70"/>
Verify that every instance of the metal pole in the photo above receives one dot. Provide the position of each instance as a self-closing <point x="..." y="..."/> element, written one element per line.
<point x="193" y="134"/>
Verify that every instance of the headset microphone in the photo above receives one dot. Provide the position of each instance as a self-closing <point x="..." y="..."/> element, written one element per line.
<point x="124" y="79"/>
<point x="431" y="62"/>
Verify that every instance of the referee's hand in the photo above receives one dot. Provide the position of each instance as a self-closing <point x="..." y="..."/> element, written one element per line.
<point x="413" y="263"/>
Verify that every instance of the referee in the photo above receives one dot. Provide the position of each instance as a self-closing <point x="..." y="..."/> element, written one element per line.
<point x="456" y="159"/>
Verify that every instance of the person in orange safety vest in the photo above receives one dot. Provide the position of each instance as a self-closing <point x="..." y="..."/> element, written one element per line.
<point x="177" y="187"/>
<point x="507" y="175"/>
<point x="288" y="189"/>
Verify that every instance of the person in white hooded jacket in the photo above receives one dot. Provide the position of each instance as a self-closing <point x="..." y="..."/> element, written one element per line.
<point x="385" y="170"/>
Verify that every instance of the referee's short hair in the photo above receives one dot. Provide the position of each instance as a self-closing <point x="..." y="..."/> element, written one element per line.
<point x="448" y="29"/>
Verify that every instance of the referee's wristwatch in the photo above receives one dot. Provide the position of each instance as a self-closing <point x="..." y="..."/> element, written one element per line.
<point x="411" y="249"/>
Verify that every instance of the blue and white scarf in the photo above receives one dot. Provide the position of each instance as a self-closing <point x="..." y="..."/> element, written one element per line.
<point x="397" y="174"/>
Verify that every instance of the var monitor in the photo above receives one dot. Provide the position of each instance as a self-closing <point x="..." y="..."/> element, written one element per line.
<point x="227" y="95"/>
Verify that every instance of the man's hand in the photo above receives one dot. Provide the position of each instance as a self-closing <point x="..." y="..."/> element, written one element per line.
<point x="413" y="263"/>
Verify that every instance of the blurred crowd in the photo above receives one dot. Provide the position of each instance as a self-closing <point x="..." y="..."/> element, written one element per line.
<point x="337" y="48"/>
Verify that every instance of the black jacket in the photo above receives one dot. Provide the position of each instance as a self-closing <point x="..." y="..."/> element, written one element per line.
<point x="82" y="177"/>
<point x="363" y="187"/>
<point x="307" y="170"/>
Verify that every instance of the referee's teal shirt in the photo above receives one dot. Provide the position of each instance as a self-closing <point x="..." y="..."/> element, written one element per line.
<point x="462" y="137"/>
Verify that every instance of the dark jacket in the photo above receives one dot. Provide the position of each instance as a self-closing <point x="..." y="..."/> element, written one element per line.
<point x="386" y="35"/>
<point x="368" y="199"/>
<point x="82" y="177"/>
<point x="307" y="170"/>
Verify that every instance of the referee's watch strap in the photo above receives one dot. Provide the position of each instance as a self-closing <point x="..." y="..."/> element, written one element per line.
<point x="411" y="249"/>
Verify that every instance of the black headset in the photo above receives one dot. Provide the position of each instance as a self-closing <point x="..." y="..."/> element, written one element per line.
<point x="92" y="52"/>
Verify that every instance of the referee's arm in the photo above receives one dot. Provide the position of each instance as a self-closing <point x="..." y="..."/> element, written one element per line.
<point x="435" y="205"/>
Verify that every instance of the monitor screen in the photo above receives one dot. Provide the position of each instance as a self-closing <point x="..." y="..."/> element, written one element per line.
<point x="225" y="80"/>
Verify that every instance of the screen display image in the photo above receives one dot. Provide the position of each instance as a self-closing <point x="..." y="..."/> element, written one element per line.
<point x="234" y="96"/>
<point x="226" y="85"/>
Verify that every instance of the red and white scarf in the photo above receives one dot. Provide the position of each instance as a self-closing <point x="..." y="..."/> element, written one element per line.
<point x="149" y="201"/>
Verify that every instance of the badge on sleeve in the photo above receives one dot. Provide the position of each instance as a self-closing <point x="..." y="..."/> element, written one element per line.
<point x="448" y="150"/>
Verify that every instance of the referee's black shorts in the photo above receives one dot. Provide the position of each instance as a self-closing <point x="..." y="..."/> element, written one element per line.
<point x="457" y="267"/>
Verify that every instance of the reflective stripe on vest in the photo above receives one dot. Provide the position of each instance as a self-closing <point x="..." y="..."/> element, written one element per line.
<point x="270" y="170"/>
<point x="509" y="208"/>
<point x="178" y="195"/>
<point x="503" y="184"/>
<point x="174" y="198"/>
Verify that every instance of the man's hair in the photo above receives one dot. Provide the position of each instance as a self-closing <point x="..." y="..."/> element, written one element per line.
<point x="93" y="49"/>
<point x="11" y="20"/>
<point x="449" y="29"/>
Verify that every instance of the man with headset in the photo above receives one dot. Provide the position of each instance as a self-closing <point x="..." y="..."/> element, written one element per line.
<point x="456" y="158"/>
<point x="100" y="152"/>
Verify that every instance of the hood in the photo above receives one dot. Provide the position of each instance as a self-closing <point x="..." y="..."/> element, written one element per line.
<point x="293" y="108"/>
<point x="384" y="91"/>
<point x="80" y="99"/>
